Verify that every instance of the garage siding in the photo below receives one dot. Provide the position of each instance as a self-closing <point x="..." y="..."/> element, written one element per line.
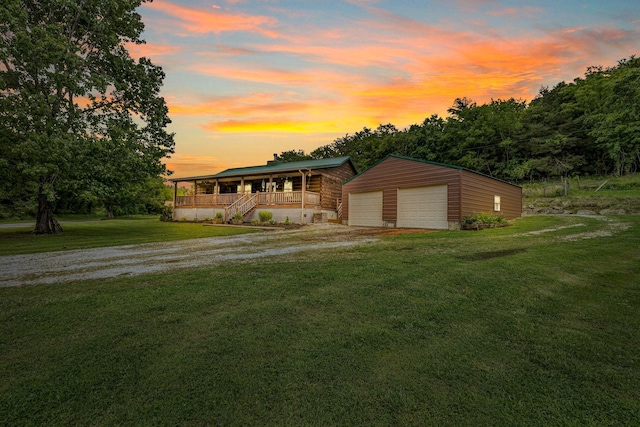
<point x="467" y="191"/>
<point x="479" y="191"/>
<point x="395" y="173"/>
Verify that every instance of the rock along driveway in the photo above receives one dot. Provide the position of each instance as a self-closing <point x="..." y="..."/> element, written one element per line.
<point x="133" y="260"/>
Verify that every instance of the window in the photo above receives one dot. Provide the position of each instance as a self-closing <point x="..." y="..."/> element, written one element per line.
<point x="496" y="203"/>
<point x="288" y="185"/>
<point x="247" y="188"/>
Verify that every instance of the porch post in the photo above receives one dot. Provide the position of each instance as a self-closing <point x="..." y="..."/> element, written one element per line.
<point x="175" y="199"/>
<point x="216" y="191"/>
<point x="242" y="184"/>
<point x="304" y="186"/>
<point x="270" y="189"/>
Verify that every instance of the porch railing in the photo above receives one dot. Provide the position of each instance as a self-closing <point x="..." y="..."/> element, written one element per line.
<point x="271" y="198"/>
<point x="207" y="200"/>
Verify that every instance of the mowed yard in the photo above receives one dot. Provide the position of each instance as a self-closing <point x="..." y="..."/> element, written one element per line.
<point x="533" y="324"/>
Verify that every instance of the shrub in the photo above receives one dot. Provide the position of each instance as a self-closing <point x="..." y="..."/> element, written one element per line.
<point x="286" y="221"/>
<point x="265" y="216"/>
<point x="483" y="219"/>
<point x="166" y="214"/>
<point x="255" y="221"/>
<point x="218" y="215"/>
<point x="238" y="215"/>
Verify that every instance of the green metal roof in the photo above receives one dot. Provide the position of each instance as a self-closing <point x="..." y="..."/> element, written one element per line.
<point x="429" y="163"/>
<point x="273" y="168"/>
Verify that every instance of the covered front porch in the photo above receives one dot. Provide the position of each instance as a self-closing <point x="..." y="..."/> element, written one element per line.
<point x="262" y="199"/>
<point x="285" y="194"/>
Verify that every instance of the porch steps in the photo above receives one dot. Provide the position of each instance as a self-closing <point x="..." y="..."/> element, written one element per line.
<point x="244" y="206"/>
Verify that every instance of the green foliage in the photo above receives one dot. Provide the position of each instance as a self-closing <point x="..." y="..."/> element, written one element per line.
<point x="166" y="213"/>
<point x="82" y="122"/>
<point x="484" y="218"/>
<point x="238" y="215"/>
<point x="293" y="156"/>
<point x="287" y="221"/>
<point x="265" y="216"/>
<point x="218" y="215"/>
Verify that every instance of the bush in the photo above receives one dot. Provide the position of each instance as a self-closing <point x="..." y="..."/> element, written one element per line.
<point x="166" y="214"/>
<point x="218" y="215"/>
<point x="483" y="220"/>
<point x="265" y="216"/>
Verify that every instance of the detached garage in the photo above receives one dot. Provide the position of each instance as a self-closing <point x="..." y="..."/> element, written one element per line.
<point x="409" y="193"/>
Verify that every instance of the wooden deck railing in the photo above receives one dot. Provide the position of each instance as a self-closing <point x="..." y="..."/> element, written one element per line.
<point x="226" y="200"/>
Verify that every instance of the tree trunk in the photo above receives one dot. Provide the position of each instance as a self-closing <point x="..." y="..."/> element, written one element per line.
<point x="44" y="216"/>
<point x="45" y="223"/>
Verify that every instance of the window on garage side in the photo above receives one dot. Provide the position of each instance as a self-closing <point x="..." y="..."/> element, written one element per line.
<point x="496" y="203"/>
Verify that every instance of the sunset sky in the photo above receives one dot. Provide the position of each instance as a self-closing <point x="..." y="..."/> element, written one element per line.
<point x="249" y="78"/>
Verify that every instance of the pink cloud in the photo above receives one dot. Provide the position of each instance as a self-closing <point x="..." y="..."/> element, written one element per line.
<point x="153" y="51"/>
<point x="213" y="20"/>
<point x="238" y="106"/>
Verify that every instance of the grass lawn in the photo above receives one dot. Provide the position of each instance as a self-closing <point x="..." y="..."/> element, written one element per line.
<point x="92" y="234"/>
<point x="506" y="327"/>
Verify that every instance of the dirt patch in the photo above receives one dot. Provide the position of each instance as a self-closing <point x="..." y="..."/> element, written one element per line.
<point x="391" y="231"/>
<point x="481" y="256"/>
<point x="612" y="226"/>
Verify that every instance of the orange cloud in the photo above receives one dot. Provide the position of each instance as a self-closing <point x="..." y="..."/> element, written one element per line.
<point x="194" y="165"/>
<point x="153" y="51"/>
<point x="213" y="20"/>
<point x="236" y="106"/>
<point x="271" y="125"/>
<point x="254" y="73"/>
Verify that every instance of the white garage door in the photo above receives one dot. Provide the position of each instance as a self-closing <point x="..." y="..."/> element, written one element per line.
<point x="423" y="207"/>
<point x="365" y="209"/>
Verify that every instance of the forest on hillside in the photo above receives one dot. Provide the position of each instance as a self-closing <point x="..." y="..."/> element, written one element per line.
<point x="590" y="126"/>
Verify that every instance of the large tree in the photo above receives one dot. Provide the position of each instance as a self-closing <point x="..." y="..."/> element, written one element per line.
<point x="611" y="100"/>
<point x="76" y="111"/>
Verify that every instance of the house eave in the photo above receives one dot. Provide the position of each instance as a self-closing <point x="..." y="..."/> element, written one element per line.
<point x="270" y="170"/>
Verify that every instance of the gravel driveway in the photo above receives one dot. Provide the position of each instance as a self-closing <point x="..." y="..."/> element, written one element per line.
<point x="132" y="260"/>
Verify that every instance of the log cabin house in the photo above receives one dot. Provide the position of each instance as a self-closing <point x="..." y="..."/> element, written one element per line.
<point x="299" y="191"/>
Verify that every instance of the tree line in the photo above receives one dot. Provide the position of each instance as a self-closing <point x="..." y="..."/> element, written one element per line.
<point x="590" y="126"/>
